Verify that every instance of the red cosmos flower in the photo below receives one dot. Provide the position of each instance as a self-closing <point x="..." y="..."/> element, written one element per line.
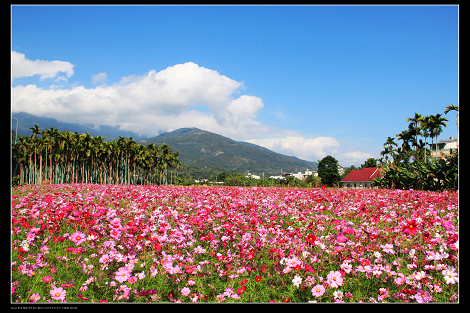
<point x="243" y="282"/>
<point x="241" y="290"/>
<point x="411" y="227"/>
<point x="58" y="238"/>
<point x="309" y="268"/>
<point x="310" y="238"/>
<point x="258" y="278"/>
<point x="82" y="297"/>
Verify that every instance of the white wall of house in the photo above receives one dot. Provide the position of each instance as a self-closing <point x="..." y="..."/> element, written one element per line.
<point x="358" y="184"/>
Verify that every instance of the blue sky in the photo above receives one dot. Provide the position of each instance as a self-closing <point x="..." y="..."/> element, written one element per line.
<point x="307" y="81"/>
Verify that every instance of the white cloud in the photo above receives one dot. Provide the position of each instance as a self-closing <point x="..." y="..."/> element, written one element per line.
<point x="22" y="67"/>
<point x="353" y="158"/>
<point x="99" y="77"/>
<point x="311" y="149"/>
<point x="145" y="104"/>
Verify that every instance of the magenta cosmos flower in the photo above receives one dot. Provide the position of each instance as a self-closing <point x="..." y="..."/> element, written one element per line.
<point x="58" y="294"/>
<point x="318" y="291"/>
<point x="78" y="237"/>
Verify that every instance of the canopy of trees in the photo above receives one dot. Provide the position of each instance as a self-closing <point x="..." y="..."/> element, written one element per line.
<point x="65" y="157"/>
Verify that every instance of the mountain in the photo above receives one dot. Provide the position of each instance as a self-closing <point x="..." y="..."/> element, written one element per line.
<point x="25" y="121"/>
<point x="205" y="149"/>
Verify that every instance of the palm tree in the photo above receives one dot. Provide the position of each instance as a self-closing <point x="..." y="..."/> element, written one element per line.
<point x="406" y="136"/>
<point x="413" y="127"/>
<point x="388" y="148"/>
<point x="452" y="107"/>
<point x="436" y="123"/>
<point x="424" y="125"/>
<point x="78" y="158"/>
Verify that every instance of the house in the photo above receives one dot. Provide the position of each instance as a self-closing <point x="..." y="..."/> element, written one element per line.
<point x="444" y="146"/>
<point x="360" y="178"/>
<point x="300" y="175"/>
<point x="249" y="175"/>
<point x="341" y="170"/>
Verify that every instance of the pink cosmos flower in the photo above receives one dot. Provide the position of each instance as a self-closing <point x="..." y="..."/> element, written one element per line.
<point x="115" y="234"/>
<point x="334" y="279"/>
<point x="423" y="296"/>
<point x="132" y="279"/>
<point x="104" y="258"/>
<point x="388" y="248"/>
<point x="35" y="297"/>
<point x="399" y="281"/>
<point x="185" y="291"/>
<point x="47" y="279"/>
<point x="318" y="291"/>
<point x="341" y="238"/>
<point x="78" y="238"/>
<point x="293" y="262"/>
<point x="58" y="294"/>
<point x="122" y="274"/>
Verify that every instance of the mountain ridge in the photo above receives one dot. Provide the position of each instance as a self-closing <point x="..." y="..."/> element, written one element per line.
<point x="202" y="148"/>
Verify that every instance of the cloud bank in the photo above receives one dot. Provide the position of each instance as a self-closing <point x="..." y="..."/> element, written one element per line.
<point x="304" y="148"/>
<point x="22" y="67"/>
<point x="162" y="101"/>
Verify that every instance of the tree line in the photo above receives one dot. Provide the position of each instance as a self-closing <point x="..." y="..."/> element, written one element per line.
<point x="412" y="165"/>
<point x="65" y="157"/>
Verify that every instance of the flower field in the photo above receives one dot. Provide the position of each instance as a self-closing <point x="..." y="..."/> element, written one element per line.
<point x="119" y="243"/>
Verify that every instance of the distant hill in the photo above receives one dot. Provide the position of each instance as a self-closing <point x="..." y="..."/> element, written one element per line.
<point x="205" y="149"/>
<point x="25" y="121"/>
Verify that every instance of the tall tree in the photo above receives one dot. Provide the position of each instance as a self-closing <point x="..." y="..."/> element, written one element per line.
<point x="436" y="124"/>
<point x="452" y="107"/>
<point x="424" y="126"/>
<point x="328" y="170"/>
<point x="415" y="130"/>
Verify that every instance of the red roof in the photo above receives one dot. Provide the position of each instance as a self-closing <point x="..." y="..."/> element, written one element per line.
<point x="366" y="174"/>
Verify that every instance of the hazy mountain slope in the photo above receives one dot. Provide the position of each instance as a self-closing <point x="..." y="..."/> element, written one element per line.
<point x="202" y="148"/>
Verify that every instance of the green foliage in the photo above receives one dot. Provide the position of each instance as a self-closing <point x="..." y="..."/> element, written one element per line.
<point x="313" y="181"/>
<point x="409" y="166"/>
<point x="328" y="170"/>
<point x="15" y="181"/>
<point x="371" y="162"/>
<point x="437" y="175"/>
